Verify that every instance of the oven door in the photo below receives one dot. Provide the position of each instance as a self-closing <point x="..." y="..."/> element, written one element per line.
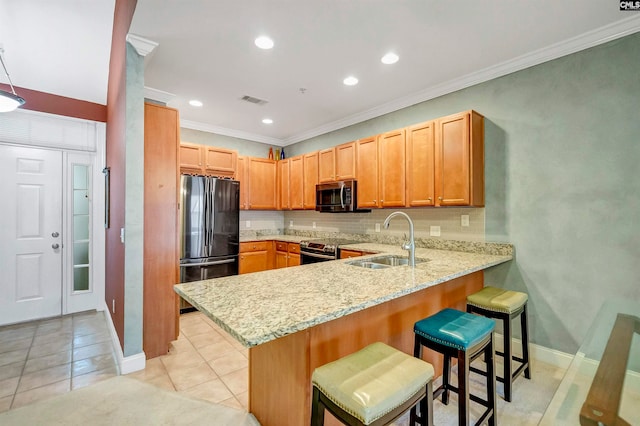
<point x="307" y="258"/>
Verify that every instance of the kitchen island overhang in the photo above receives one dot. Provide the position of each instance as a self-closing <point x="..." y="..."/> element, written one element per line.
<point x="298" y="318"/>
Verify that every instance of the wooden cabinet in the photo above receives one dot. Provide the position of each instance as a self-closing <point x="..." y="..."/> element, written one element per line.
<point x="459" y="164"/>
<point x="420" y="164"/>
<point x="368" y="173"/>
<point x="160" y="244"/>
<point x="310" y="180"/>
<point x="283" y="185"/>
<point x="347" y="254"/>
<point x="287" y="254"/>
<point x="207" y="160"/>
<point x="262" y="184"/>
<point x="241" y="176"/>
<point x="337" y="163"/>
<point x="255" y="256"/>
<point x="381" y="170"/>
<point x="296" y="182"/>
<point x="391" y="167"/>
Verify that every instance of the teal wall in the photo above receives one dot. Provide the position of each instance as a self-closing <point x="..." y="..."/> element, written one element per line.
<point x="562" y="184"/>
<point x="134" y="202"/>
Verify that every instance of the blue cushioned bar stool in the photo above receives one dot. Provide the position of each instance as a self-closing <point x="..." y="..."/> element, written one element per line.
<point x="505" y="305"/>
<point x="373" y="386"/>
<point x="462" y="336"/>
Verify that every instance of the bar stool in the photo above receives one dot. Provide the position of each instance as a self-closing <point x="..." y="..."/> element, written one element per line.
<point x="373" y="386"/>
<point x="462" y="336"/>
<point x="504" y="305"/>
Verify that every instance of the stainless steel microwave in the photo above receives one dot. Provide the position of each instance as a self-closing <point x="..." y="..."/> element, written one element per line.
<point x="338" y="197"/>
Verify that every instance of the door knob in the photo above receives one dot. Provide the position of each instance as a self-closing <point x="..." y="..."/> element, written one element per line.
<point x="55" y="234"/>
<point x="55" y="246"/>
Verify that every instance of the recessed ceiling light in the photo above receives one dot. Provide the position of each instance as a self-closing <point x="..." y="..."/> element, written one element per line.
<point x="389" y="58"/>
<point x="264" y="42"/>
<point x="195" y="103"/>
<point x="267" y="121"/>
<point x="350" y="81"/>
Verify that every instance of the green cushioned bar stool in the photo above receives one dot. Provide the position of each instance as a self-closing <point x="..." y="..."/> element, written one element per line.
<point x="505" y="305"/>
<point x="373" y="386"/>
<point x="462" y="336"/>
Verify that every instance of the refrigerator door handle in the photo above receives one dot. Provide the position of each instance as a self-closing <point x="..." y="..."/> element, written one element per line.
<point x="214" y="262"/>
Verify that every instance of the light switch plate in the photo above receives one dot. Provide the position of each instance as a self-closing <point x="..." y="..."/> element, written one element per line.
<point x="248" y="224"/>
<point x="434" y="231"/>
<point x="122" y="235"/>
<point x="377" y="227"/>
<point x="314" y="225"/>
<point x="464" y="220"/>
<point x="290" y="224"/>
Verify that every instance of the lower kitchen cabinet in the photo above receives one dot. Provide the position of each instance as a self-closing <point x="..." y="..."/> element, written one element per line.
<point x="255" y="256"/>
<point x="347" y="254"/>
<point x="287" y="254"/>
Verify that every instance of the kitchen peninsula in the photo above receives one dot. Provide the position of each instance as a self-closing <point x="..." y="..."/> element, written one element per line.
<point x="295" y="319"/>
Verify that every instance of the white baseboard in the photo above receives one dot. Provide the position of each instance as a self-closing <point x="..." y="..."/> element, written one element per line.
<point x="127" y="364"/>
<point x="537" y="352"/>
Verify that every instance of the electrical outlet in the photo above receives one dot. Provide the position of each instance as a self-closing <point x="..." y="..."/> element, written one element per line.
<point x="248" y="224"/>
<point x="464" y="220"/>
<point x="290" y="224"/>
<point x="434" y="231"/>
<point x="314" y="225"/>
<point x="377" y="227"/>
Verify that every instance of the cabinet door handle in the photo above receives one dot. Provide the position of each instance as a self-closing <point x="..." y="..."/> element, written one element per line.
<point x="429" y="199"/>
<point x="440" y="198"/>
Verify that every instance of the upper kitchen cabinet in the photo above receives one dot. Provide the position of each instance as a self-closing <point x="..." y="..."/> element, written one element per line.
<point x="296" y="182"/>
<point x="459" y="165"/>
<point x="243" y="178"/>
<point x="381" y="170"/>
<point x="207" y="160"/>
<point x="367" y="159"/>
<point x="283" y="184"/>
<point x="420" y="164"/>
<point x="391" y="165"/>
<point x="310" y="180"/>
<point x="262" y="176"/>
<point x="337" y="163"/>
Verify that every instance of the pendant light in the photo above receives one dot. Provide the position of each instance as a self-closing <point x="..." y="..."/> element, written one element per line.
<point x="9" y="101"/>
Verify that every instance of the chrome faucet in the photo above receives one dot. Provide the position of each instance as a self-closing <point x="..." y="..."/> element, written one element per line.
<point x="407" y="245"/>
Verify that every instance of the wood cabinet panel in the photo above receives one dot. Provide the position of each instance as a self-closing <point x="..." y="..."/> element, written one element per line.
<point x="459" y="166"/>
<point x="190" y="158"/>
<point x="420" y="164"/>
<point x="310" y="180"/>
<point x="367" y="159"/>
<point x="296" y="182"/>
<point x="160" y="244"/>
<point x="287" y="254"/>
<point x="255" y="246"/>
<point x="392" y="163"/>
<point x="262" y="184"/>
<point x="337" y="163"/>
<point x="255" y="256"/>
<point x="347" y="254"/>
<point x="219" y="161"/>
<point x="283" y="184"/>
<point x="326" y="165"/>
<point x="241" y="176"/>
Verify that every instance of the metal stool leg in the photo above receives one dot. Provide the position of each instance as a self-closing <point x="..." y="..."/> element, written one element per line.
<point x="508" y="375"/>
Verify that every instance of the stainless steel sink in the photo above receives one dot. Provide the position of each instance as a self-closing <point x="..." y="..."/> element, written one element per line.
<point x="382" y="262"/>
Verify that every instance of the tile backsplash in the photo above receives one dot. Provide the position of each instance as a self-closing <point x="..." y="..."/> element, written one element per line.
<point x="448" y="219"/>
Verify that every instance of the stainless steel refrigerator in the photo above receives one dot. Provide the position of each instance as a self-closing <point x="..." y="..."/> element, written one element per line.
<point x="209" y="229"/>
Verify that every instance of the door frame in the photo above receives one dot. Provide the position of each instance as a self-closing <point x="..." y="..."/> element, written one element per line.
<point x="76" y="138"/>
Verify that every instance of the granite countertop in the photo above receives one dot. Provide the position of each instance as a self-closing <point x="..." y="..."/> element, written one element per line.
<point x="259" y="307"/>
<point x="279" y="237"/>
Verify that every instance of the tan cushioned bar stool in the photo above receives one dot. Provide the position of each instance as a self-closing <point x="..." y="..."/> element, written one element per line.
<point x="373" y="386"/>
<point x="505" y="305"/>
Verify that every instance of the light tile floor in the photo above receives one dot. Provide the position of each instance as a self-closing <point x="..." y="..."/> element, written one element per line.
<point x="205" y="362"/>
<point x="41" y="359"/>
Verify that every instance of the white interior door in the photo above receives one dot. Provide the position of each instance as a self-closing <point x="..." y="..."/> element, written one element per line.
<point x="30" y="233"/>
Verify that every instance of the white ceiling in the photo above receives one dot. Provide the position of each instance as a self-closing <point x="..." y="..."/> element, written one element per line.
<point x="205" y="51"/>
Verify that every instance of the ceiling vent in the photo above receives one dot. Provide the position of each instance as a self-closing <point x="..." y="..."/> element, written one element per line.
<point x="253" y="100"/>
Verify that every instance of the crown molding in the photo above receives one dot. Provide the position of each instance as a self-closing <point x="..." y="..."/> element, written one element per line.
<point x="142" y="45"/>
<point x="158" y="95"/>
<point x="195" y="125"/>
<point x="584" y="41"/>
